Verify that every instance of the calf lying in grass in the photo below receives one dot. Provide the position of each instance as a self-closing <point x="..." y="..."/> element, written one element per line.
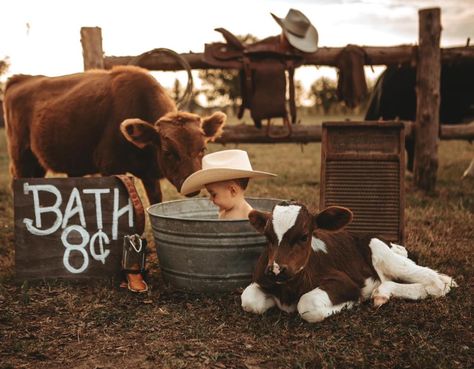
<point x="311" y="266"/>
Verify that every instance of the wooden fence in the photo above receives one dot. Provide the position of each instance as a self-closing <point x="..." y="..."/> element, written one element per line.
<point x="427" y="56"/>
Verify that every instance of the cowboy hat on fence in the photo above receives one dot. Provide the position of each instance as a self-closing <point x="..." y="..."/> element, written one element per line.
<point x="220" y="166"/>
<point x="299" y="31"/>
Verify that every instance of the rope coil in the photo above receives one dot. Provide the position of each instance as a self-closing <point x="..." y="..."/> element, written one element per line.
<point x="184" y="100"/>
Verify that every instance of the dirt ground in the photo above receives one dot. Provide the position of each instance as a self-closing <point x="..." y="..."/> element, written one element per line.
<point x="66" y="324"/>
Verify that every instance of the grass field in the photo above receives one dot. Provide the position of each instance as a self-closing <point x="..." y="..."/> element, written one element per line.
<point x="59" y="324"/>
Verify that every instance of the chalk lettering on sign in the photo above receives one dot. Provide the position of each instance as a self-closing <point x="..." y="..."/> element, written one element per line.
<point x="69" y="212"/>
<point x="102" y="255"/>
<point x="35" y="229"/>
<point x="71" y="247"/>
<point x="74" y="206"/>
<point x="98" y="205"/>
<point x="119" y="212"/>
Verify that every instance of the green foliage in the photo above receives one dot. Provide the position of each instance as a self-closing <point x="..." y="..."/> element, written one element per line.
<point x="177" y="90"/>
<point x="299" y="92"/>
<point x="323" y="92"/>
<point x="220" y="87"/>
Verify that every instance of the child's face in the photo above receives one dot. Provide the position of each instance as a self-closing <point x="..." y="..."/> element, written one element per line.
<point x="220" y="193"/>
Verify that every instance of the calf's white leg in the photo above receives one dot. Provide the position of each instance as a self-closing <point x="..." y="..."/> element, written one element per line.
<point x="254" y="300"/>
<point x="315" y="306"/>
<point x="412" y="291"/>
<point x="390" y="265"/>
<point x="399" y="249"/>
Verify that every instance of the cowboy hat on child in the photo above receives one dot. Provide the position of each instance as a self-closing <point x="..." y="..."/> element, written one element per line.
<point x="220" y="166"/>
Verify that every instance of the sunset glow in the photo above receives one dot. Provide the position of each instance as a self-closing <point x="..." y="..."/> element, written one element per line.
<point x="43" y="37"/>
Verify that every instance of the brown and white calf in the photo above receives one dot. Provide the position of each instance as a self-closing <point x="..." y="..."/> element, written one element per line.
<point x="312" y="266"/>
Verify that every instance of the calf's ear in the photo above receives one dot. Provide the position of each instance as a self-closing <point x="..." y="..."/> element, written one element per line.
<point x="332" y="218"/>
<point x="259" y="219"/>
<point x="212" y="126"/>
<point x="139" y="132"/>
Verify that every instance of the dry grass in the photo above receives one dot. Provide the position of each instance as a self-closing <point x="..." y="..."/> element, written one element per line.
<point x="58" y="324"/>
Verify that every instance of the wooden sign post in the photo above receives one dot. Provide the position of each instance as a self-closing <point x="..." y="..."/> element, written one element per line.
<point x="70" y="227"/>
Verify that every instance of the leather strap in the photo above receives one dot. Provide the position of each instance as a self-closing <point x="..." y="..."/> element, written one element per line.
<point x="136" y="202"/>
<point x="291" y="77"/>
<point x="248" y="74"/>
<point x="133" y="271"/>
<point x="286" y="123"/>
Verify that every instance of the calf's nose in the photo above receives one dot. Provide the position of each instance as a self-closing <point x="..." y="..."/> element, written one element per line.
<point x="275" y="269"/>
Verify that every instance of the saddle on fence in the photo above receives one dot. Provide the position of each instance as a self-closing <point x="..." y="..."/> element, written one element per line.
<point x="263" y="66"/>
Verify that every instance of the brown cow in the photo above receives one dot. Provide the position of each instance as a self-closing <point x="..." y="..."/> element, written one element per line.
<point x="309" y="267"/>
<point x="107" y="122"/>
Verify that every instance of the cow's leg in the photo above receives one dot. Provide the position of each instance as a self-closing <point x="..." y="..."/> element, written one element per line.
<point x="399" y="249"/>
<point x="315" y="306"/>
<point x="337" y="293"/>
<point x="411" y="291"/>
<point x="25" y="164"/>
<point x="153" y="190"/>
<point x="390" y="265"/>
<point x="254" y="300"/>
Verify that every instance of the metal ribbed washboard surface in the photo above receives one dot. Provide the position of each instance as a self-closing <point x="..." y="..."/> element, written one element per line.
<point x="362" y="168"/>
<point x="198" y="252"/>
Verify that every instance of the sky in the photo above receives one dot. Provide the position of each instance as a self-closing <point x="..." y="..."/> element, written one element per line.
<point x="43" y="36"/>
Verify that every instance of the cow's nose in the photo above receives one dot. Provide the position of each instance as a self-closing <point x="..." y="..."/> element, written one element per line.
<point x="275" y="269"/>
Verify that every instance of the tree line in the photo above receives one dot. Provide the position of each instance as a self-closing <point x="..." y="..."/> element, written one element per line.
<point x="222" y="88"/>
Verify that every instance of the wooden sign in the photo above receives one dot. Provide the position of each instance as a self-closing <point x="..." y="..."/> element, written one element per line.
<point x="363" y="168"/>
<point x="70" y="227"/>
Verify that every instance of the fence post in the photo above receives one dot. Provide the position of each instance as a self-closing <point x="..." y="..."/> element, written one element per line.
<point x="91" y="40"/>
<point x="428" y="99"/>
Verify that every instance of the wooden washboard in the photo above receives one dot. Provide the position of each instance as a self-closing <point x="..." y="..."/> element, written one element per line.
<point x="363" y="168"/>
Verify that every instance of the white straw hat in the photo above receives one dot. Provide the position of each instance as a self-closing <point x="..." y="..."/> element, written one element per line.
<point x="299" y="31"/>
<point x="221" y="166"/>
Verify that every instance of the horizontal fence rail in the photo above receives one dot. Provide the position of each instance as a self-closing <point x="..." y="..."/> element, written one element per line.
<point x="300" y="133"/>
<point x="328" y="56"/>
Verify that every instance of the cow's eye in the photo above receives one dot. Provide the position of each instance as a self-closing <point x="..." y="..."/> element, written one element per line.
<point x="304" y="238"/>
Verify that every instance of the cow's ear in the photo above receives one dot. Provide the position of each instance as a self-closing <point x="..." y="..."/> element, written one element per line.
<point x="139" y="132"/>
<point x="212" y="126"/>
<point x="332" y="218"/>
<point x="259" y="219"/>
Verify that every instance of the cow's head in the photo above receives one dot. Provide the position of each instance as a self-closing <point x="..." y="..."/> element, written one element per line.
<point x="179" y="138"/>
<point x="289" y="229"/>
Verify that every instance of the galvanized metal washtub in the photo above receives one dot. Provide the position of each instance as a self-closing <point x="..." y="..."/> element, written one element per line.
<point x="198" y="252"/>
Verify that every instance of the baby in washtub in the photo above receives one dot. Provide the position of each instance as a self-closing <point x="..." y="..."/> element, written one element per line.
<point x="225" y="174"/>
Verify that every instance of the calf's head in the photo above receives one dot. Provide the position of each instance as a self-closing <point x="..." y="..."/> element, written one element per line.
<point x="289" y="229"/>
<point x="179" y="138"/>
